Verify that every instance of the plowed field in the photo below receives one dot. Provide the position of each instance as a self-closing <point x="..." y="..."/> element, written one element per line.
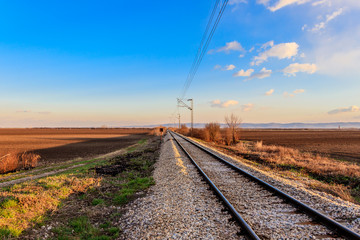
<point x="54" y="145"/>
<point x="339" y="144"/>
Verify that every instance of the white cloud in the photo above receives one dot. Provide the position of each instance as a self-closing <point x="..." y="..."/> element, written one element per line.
<point x="345" y="110"/>
<point x="270" y="92"/>
<point x="329" y="17"/>
<point x="294" y="68"/>
<point x="280" y="51"/>
<point x="319" y="2"/>
<point x="247" y="107"/>
<point x="268" y="44"/>
<point x="231" y="46"/>
<point x="264" y="73"/>
<point x="217" y="66"/>
<point x="280" y="3"/>
<point x="286" y="94"/>
<point x="219" y="104"/>
<point x="339" y="55"/>
<point x="297" y="91"/>
<point x="230" y="67"/>
<point x="243" y="73"/>
<point x="252" y="49"/>
<point x="234" y="2"/>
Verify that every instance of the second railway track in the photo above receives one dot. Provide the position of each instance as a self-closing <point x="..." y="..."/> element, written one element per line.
<point x="262" y="211"/>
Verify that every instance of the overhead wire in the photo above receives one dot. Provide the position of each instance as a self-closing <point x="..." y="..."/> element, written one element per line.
<point x="202" y="41"/>
<point x="203" y="48"/>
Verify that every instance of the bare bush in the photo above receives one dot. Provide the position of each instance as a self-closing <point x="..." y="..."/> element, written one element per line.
<point x="16" y="161"/>
<point x="184" y="130"/>
<point x="233" y="122"/>
<point x="199" y="133"/>
<point x="213" y="132"/>
<point x="228" y="136"/>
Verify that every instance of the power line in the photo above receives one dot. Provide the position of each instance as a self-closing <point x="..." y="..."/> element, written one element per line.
<point x="202" y="41"/>
<point x="203" y="47"/>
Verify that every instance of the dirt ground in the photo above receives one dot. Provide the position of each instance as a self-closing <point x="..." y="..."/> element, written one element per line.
<point x="338" y="144"/>
<point x="56" y="145"/>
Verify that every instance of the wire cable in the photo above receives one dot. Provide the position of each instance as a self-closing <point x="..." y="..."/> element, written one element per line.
<point x="198" y="59"/>
<point x="202" y="41"/>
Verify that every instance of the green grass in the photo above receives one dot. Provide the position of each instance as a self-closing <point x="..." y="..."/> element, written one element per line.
<point x="85" y="183"/>
<point x="97" y="201"/>
<point x="131" y="187"/>
<point x="81" y="228"/>
<point x="139" y="143"/>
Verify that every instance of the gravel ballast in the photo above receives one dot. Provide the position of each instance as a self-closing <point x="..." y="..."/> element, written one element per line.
<point x="179" y="206"/>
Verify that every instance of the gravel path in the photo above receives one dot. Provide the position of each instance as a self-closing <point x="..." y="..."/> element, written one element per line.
<point x="179" y="206"/>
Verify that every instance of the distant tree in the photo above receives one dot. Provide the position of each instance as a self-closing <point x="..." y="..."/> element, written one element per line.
<point x="233" y="122"/>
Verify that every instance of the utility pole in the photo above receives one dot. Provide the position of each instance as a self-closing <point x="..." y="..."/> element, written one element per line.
<point x="179" y="119"/>
<point x="182" y="104"/>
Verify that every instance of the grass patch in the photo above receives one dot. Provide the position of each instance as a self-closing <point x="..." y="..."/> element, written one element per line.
<point x="81" y="228"/>
<point x="23" y="205"/>
<point x="139" y="143"/>
<point x="76" y="191"/>
<point x="130" y="188"/>
<point x="97" y="201"/>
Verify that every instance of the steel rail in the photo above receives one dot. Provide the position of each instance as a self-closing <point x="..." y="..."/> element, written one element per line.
<point x="244" y="225"/>
<point x="327" y="221"/>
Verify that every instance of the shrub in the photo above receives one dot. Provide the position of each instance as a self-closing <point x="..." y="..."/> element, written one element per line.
<point x="228" y="138"/>
<point x="212" y="132"/>
<point x="184" y="130"/>
<point x="16" y="161"/>
<point x="199" y="133"/>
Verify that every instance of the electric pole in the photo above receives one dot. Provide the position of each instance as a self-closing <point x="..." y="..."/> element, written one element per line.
<point x="179" y="119"/>
<point x="191" y="108"/>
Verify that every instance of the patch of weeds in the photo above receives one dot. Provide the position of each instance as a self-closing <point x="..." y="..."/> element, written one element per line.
<point x="22" y="208"/>
<point x="8" y="233"/>
<point x="5" y="233"/>
<point x="81" y="228"/>
<point x="131" y="187"/>
<point x="8" y="202"/>
<point x="82" y="196"/>
<point x="139" y="143"/>
<point x="97" y="201"/>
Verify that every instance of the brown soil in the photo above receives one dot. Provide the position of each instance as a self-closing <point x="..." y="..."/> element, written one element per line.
<point x="338" y="144"/>
<point x="56" y="145"/>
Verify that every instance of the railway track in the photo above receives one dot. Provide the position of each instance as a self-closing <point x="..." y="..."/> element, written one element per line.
<point x="262" y="211"/>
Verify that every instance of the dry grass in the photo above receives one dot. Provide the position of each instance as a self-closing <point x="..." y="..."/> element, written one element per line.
<point x="338" y="190"/>
<point x="312" y="163"/>
<point x="25" y="204"/>
<point x="16" y="161"/>
<point x="338" y="178"/>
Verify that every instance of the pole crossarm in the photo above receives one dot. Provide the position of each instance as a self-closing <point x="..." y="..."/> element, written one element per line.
<point x="182" y="104"/>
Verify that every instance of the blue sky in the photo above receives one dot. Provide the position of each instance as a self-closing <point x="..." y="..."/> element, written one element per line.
<point x="119" y="63"/>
